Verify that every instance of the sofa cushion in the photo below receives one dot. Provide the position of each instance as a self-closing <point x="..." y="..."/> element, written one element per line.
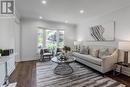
<point x="88" y="58"/>
<point x="47" y="54"/>
<point x="84" y="50"/>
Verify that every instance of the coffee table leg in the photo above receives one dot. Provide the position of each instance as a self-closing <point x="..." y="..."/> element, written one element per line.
<point x="63" y="69"/>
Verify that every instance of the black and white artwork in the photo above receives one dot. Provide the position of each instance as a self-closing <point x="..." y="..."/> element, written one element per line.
<point x="105" y="32"/>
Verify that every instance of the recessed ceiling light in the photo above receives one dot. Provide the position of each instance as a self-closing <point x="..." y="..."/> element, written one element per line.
<point x="44" y="2"/>
<point x="81" y="11"/>
<point x="66" y="21"/>
<point x="40" y="17"/>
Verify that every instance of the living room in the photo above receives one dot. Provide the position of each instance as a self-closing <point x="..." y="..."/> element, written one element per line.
<point x="65" y="43"/>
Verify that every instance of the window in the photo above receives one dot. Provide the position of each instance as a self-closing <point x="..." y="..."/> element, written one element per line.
<point x="61" y="39"/>
<point x="40" y="38"/>
<point x="53" y="38"/>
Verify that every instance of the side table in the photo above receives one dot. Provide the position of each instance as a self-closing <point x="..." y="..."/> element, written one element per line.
<point x="117" y="68"/>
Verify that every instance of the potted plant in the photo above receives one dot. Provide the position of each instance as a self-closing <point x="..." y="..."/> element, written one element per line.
<point x="63" y="54"/>
<point x="66" y="49"/>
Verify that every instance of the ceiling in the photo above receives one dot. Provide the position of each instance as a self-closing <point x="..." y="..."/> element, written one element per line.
<point x="61" y="10"/>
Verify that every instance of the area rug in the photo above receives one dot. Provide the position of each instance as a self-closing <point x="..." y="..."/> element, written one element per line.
<point x="81" y="77"/>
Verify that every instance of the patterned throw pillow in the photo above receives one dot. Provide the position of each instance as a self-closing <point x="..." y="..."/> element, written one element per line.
<point x="103" y="52"/>
<point x="84" y="50"/>
<point x="94" y="52"/>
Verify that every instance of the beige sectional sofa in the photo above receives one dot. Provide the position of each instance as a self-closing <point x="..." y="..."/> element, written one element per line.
<point x="100" y="63"/>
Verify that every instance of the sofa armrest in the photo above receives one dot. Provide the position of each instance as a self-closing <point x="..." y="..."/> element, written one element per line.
<point x="110" y="60"/>
<point x="114" y="55"/>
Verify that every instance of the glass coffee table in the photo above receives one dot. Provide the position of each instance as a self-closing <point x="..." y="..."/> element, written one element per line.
<point x="63" y="67"/>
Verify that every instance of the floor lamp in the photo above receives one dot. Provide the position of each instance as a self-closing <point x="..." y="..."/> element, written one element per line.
<point x="125" y="47"/>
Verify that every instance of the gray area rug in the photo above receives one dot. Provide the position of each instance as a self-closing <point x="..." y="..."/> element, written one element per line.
<point x="81" y="77"/>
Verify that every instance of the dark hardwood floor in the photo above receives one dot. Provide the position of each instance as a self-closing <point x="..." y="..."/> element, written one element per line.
<point x="25" y="75"/>
<point x="120" y="78"/>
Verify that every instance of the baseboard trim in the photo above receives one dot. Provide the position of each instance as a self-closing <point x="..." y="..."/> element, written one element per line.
<point x="28" y="59"/>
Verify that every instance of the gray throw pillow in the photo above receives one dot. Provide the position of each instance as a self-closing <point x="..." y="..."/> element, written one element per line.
<point x="84" y="50"/>
<point x="103" y="52"/>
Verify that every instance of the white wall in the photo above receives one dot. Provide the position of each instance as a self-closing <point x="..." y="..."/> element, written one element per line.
<point x="122" y="24"/>
<point x="10" y="35"/>
<point x="121" y="18"/>
<point x="6" y="33"/>
<point x="17" y="35"/>
<point x="29" y="35"/>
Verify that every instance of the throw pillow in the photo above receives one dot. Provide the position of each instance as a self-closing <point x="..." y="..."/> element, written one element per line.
<point x="94" y="52"/>
<point x="84" y="50"/>
<point x="103" y="52"/>
<point x="111" y="50"/>
<point x="46" y="51"/>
